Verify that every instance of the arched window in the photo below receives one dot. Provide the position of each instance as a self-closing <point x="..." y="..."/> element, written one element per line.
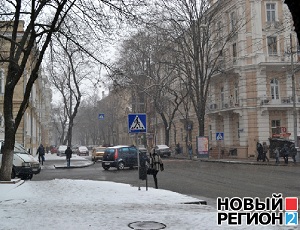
<point x="274" y="89"/>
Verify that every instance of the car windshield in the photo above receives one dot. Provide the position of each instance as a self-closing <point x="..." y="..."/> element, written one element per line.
<point x="100" y="149"/>
<point x="18" y="148"/>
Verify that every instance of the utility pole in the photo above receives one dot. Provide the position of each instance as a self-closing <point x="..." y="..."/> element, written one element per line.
<point x="294" y="96"/>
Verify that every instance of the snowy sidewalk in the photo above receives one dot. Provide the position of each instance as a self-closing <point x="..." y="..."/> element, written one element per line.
<point x="85" y="204"/>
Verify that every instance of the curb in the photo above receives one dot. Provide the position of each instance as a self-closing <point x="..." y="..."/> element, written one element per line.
<point x="12" y="181"/>
<point x="73" y="166"/>
<point x="249" y="163"/>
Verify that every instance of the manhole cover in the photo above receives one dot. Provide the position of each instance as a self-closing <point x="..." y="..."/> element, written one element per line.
<point x="146" y="225"/>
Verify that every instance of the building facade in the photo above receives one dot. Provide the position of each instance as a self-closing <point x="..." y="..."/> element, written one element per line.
<point x="251" y="99"/>
<point x="34" y="127"/>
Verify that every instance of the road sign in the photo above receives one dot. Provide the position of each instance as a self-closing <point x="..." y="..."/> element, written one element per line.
<point x="101" y="116"/>
<point x="137" y="123"/>
<point x="219" y="136"/>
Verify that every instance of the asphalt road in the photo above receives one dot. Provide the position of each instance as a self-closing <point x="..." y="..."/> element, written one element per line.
<point x="205" y="180"/>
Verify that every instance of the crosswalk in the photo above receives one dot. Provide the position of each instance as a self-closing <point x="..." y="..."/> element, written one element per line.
<point x="47" y="167"/>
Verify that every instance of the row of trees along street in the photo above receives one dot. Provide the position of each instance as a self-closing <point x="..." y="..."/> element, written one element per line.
<point x="171" y="47"/>
<point x="76" y="31"/>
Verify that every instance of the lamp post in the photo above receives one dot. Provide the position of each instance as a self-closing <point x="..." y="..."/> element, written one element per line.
<point x="294" y="99"/>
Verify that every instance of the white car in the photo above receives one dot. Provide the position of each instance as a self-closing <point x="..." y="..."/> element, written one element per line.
<point x="163" y="150"/>
<point x="24" y="164"/>
<point x="61" y="150"/>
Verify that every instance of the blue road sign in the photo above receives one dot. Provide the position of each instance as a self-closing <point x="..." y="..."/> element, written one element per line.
<point x="219" y="136"/>
<point x="137" y="123"/>
<point x="101" y="116"/>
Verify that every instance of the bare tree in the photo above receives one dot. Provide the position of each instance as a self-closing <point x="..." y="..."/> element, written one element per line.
<point x="197" y="33"/>
<point x="147" y="66"/>
<point x="294" y="7"/>
<point x="43" y="19"/>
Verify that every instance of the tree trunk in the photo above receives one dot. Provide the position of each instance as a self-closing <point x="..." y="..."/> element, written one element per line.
<point x="8" y="148"/>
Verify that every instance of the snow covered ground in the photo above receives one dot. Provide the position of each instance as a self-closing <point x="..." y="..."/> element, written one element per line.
<point x="86" y="204"/>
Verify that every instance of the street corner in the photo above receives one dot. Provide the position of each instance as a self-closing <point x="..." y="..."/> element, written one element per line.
<point x="75" y="164"/>
<point x="6" y="186"/>
<point x="12" y="181"/>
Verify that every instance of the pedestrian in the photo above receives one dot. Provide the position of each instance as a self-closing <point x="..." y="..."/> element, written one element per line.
<point x="285" y="153"/>
<point x="156" y="164"/>
<point x="259" y="149"/>
<point x="68" y="153"/>
<point x="293" y="152"/>
<point x="41" y="152"/>
<point x="265" y="151"/>
<point x="178" y="149"/>
<point x="190" y="149"/>
<point x="276" y="151"/>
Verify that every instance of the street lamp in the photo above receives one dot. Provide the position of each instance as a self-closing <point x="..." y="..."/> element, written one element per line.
<point x="294" y="99"/>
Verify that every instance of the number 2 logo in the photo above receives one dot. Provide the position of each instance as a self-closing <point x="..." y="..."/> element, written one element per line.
<point x="291" y="218"/>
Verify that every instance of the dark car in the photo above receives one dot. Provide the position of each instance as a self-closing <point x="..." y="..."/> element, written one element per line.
<point x="121" y="156"/>
<point x="163" y="150"/>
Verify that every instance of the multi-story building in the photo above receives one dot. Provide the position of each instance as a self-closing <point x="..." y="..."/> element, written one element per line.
<point x="251" y="100"/>
<point x="34" y="127"/>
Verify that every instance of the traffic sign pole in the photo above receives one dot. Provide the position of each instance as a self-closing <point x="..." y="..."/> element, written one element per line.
<point x="219" y="138"/>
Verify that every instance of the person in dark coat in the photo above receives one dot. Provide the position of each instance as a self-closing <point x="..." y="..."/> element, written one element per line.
<point x="260" y="150"/>
<point x="178" y="149"/>
<point x="265" y="151"/>
<point x="41" y="152"/>
<point x="68" y="153"/>
<point x="285" y="153"/>
<point x="156" y="165"/>
<point x="293" y="152"/>
<point x="277" y="154"/>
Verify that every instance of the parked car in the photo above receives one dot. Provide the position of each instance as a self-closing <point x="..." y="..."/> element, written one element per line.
<point x="82" y="150"/>
<point x="142" y="148"/>
<point x="24" y="164"/>
<point x="61" y="150"/>
<point x="121" y="156"/>
<point x="53" y="149"/>
<point x="98" y="153"/>
<point x="163" y="150"/>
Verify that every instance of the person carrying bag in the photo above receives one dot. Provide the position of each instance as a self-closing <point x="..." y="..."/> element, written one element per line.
<point x="155" y="165"/>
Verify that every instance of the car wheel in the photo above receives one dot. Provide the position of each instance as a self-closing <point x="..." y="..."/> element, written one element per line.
<point x="30" y="176"/>
<point x="106" y="167"/>
<point x="121" y="165"/>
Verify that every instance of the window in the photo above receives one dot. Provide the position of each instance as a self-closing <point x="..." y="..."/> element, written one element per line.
<point x="274" y="89"/>
<point x="275" y="124"/>
<point x="234" y="53"/>
<point x="236" y="93"/>
<point x="272" y="45"/>
<point x="1" y="81"/>
<point x="232" y="21"/>
<point x="270" y="12"/>
<point x="222" y="97"/>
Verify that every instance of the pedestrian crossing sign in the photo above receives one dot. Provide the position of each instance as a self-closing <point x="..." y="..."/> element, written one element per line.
<point x="219" y="136"/>
<point x="137" y="123"/>
<point x="101" y="116"/>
